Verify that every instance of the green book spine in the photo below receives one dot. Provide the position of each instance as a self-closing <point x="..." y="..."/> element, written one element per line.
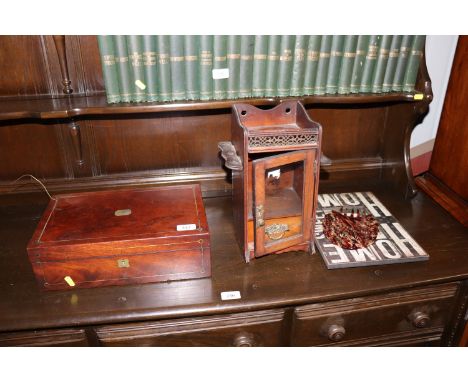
<point x="109" y="70"/>
<point x="177" y="59"/>
<point x="233" y="61"/>
<point x="405" y="48"/>
<point x="272" y="65"/>
<point x="260" y="66"/>
<point x="246" y="66"/>
<point x="206" y="67"/>
<point x="123" y="69"/>
<point x="164" y="68"/>
<point x="369" y="63"/>
<point x="391" y="64"/>
<point x="149" y="67"/>
<point x="334" y="66"/>
<point x="322" y="67"/>
<point x="135" y="55"/>
<point x="192" y="84"/>
<point x="347" y="62"/>
<point x="311" y="63"/>
<point x="285" y="65"/>
<point x="296" y="87"/>
<point x="381" y="64"/>
<point x="220" y="79"/>
<point x="413" y="63"/>
<point x="358" y="66"/>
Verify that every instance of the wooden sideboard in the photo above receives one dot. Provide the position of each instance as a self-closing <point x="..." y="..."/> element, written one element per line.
<point x="286" y="300"/>
<point x="77" y="142"/>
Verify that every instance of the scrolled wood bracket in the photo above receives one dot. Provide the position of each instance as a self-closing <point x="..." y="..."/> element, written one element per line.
<point x="420" y="110"/>
<point x="75" y="134"/>
<point x="59" y="41"/>
<point x="228" y="152"/>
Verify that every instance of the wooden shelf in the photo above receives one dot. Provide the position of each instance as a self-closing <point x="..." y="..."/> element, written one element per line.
<point x="271" y="282"/>
<point x="69" y="107"/>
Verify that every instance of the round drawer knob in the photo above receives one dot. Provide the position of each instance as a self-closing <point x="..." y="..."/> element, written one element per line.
<point x="336" y="333"/>
<point x="244" y="340"/>
<point x="420" y="319"/>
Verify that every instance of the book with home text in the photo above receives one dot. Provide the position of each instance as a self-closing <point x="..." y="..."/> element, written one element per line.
<point x="393" y="243"/>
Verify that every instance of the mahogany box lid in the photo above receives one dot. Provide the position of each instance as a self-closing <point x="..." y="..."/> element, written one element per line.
<point x="95" y="223"/>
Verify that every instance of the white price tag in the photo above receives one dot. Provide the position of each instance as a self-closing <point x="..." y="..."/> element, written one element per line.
<point x="231" y="295"/>
<point x="220" y="74"/>
<point x="186" y="227"/>
<point x="140" y="84"/>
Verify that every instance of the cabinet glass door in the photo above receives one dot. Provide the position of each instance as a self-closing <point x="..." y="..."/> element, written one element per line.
<point x="283" y="190"/>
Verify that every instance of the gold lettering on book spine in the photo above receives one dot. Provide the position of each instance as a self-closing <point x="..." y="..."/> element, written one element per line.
<point x="206" y="58"/>
<point x="260" y="56"/>
<point x="313" y="55"/>
<point x="233" y="56"/>
<point x="108" y="59"/>
<point x="286" y="56"/>
<point x="177" y="59"/>
<point x="372" y="53"/>
<point x="324" y="55"/>
<point x="191" y="58"/>
<point x="136" y="59"/>
<point x="349" y="54"/>
<point x="163" y="58"/>
<point x="149" y="58"/>
<point x="299" y="54"/>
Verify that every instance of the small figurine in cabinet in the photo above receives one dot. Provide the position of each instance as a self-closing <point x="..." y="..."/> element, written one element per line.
<point x="274" y="156"/>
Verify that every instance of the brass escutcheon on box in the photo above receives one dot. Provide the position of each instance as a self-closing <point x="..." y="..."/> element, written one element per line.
<point x="123" y="263"/>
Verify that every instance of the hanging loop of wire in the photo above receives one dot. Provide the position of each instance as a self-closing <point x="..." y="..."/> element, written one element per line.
<point x="38" y="181"/>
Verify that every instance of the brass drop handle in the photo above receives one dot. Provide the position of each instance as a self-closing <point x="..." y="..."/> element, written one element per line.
<point x="420" y="319"/>
<point x="336" y="333"/>
<point x="276" y="231"/>
<point x="244" y="340"/>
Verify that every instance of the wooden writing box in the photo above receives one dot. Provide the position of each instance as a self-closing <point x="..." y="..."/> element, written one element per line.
<point x="121" y="237"/>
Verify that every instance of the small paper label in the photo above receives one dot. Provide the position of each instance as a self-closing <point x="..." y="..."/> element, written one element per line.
<point x="69" y="281"/>
<point x="275" y="173"/>
<point x="186" y="227"/>
<point x="231" y="295"/>
<point x="123" y="212"/>
<point x="219" y="74"/>
<point x="140" y="84"/>
<point x="418" y="97"/>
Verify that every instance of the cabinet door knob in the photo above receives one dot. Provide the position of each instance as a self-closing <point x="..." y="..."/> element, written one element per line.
<point x="244" y="340"/>
<point x="336" y="333"/>
<point x="420" y="319"/>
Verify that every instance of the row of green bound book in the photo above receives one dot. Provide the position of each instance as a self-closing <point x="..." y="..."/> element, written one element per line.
<point x="188" y="67"/>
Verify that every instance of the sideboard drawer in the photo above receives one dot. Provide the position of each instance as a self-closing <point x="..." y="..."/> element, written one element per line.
<point x="408" y="317"/>
<point x="59" y="337"/>
<point x="261" y="328"/>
